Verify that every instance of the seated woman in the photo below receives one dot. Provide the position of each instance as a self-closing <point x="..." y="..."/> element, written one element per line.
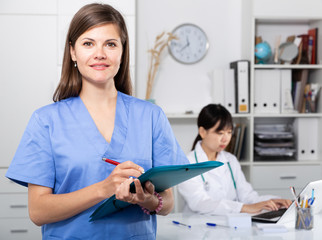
<point x="224" y="189"/>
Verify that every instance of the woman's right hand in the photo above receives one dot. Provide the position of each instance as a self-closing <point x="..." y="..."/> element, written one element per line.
<point x="271" y="205"/>
<point x="121" y="173"/>
<point x="46" y="207"/>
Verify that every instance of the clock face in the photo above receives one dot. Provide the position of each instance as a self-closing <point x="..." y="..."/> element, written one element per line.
<point x="191" y="45"/>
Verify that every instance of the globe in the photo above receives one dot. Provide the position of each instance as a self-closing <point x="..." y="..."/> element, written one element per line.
<point x="263" y="52"/>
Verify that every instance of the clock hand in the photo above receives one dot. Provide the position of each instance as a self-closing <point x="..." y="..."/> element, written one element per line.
<point x="188" y="41"/>
<point x="185" y="46"/>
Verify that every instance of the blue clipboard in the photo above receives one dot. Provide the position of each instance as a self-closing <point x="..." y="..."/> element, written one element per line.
<point x="162" y="177"/>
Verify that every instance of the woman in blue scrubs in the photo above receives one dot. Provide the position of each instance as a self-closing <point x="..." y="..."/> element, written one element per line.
<point x="93" y="117"/>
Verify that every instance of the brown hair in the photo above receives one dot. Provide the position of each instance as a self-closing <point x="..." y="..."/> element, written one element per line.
<point x="89" y="16"/>
<point x="209" y="116"/>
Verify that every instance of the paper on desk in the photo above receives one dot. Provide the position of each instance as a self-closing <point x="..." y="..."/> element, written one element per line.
<point x="271" y="227"/>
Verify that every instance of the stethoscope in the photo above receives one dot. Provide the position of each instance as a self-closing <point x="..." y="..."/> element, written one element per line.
<point x="206" y="183"/>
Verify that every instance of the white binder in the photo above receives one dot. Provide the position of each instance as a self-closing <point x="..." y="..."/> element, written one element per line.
<point x="229" y="90"/>
<point x="241" y="68"/>
<point x="267" y="91"/>
<point x="287" y="105"/>
<point x="218" y="87"/>
<point x="306" y="132"/>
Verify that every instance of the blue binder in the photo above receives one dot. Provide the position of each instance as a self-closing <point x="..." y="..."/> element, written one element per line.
<point x="162" y="177"/>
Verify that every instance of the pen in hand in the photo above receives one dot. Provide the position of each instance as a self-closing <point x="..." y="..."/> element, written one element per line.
<point x="114" y="162"/>
<point x="110" y="161"/>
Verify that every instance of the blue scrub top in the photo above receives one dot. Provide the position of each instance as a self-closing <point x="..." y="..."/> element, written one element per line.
<point x="62" y="149"/>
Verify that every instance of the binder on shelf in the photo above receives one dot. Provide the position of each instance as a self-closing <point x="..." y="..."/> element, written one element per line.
<point x="229" y="88"/>
<point x="267" y="91"/>
<point x="218" y="86"/>
<point x="241" y="70"/>
<point x="287" y="105"/>
<point x="306" y="138"/>
<point x="223" y="87"/>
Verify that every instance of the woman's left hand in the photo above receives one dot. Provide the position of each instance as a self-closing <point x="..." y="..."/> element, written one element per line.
<point x="282" y="203"/>
<point x="143" y="197"/>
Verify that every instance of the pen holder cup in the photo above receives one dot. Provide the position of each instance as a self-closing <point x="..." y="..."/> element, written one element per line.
<point x="304" y="218"/>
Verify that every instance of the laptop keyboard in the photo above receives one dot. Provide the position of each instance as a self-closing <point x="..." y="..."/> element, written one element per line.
<point x="272" y="214"/>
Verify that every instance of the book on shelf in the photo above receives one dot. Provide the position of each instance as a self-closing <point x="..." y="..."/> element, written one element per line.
<point x="237" y="142"/>
<point x="258" y="39"/>
<point x="237" y="139"/>
<point x="241" y="143"/>
<point x="307" y="47"/>
<point x="299" y="81"/>
<point x="304" y="50"/>
<point x="305" y="94"/>
<point x="311" y="96"/>
<point x="312" y="45"/>
<point x="231" y="146"/>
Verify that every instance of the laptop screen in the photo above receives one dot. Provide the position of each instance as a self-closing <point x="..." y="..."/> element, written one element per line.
<point x="284" y="216"/>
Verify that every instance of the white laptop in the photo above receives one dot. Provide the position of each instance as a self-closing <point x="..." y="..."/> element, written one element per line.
<point x="288" y="215"/>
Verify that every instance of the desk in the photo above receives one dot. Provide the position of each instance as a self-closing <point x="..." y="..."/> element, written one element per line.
<point x="199" y="230"/>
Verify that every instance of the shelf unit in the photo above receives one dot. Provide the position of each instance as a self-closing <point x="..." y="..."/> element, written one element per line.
<point x="269" y="176"/>
<point x="288" y="172"/>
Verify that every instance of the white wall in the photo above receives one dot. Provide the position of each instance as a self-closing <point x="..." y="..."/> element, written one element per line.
<point x="180" y="87"/>
<point x="27" y="66"/>
<point x="287" y="8"/>
<point x="32" y="41"/>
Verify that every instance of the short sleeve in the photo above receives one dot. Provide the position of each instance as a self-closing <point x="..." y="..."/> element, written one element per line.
<point x="33" y="161"/>
<point x="166" y="150"/>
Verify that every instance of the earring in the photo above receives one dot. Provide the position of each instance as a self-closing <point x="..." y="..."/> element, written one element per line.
<point x="75" y="64"/>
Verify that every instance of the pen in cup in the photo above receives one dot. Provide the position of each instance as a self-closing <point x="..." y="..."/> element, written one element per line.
<point x="294" y="195"/>
<point x="298" y="207"/>
<point x="311" y="200"/>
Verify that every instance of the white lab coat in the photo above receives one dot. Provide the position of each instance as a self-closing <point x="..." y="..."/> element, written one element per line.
<point x="221" y="198"/>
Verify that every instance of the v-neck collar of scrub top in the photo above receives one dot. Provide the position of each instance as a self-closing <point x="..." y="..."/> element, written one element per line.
<point x="202" y="156"/>
<point x="95" y="138"/>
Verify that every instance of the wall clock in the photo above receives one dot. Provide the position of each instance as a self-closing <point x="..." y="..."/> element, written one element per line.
<point x="191" y="46"/>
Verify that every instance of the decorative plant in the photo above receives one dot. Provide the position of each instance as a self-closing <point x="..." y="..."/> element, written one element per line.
<point x="161" y="41"/>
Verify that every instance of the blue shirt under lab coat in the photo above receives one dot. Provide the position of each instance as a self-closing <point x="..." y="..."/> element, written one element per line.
<point x="62" y="149"/>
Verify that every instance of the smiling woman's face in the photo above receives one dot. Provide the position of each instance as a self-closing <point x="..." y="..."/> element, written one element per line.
<point x="98" y="53"/>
